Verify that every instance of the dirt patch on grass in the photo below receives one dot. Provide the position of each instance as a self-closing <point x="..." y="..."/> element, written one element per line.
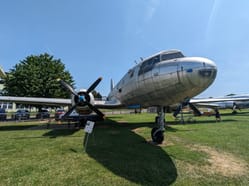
<point x="137" y="130"/>
<point x="219" y="162"/>
<point x="222" y="163"/>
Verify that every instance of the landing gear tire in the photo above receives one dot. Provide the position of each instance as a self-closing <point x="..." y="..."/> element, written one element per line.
<point x="157" y="135"/>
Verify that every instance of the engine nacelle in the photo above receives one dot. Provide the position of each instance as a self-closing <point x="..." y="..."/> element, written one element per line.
<point x="83" y="97"/>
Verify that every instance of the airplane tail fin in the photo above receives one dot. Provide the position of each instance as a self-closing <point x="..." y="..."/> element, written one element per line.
<point x="112" y="85"/>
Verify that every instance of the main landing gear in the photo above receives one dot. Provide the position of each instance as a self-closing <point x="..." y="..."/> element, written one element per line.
<point x="157" y="132"/>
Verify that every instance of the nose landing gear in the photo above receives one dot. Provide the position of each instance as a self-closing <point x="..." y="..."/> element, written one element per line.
<point x="157" y="132"/>
<point x="157" y="135"/>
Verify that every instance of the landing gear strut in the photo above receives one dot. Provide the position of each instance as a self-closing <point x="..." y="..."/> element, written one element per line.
<point x="157" y="132"/>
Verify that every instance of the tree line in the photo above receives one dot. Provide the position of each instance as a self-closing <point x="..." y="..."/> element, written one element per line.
<point x="36" y="76"/>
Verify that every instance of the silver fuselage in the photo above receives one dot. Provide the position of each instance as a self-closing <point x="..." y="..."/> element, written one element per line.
<point x="165" y="82"/>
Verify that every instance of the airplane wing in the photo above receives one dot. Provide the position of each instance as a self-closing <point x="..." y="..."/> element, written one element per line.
<point x="207" y="102"/>
<point x="100" y="103"/>
<point x="57" y="102"/>
<point x="36" y="101"/>
<point x="211" y="100"/>
<point x="198" y="101"/>
<point x="107" y="104"/>
<point x="210" y="105"/>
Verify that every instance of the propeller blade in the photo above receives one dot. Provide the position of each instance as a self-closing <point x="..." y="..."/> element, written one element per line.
<point x="97" y="111"/>
<point x="69" y="112"/>
<point x="68" y="87"/>
<point x="94" y="85"/>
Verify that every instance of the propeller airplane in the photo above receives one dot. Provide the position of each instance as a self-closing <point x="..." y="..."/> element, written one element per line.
<point x="167" y="79"/>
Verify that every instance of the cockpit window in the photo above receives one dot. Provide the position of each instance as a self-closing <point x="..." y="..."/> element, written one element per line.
<point x="148" y="64"/>
<point x="131" y="73"/>
<point x="171" y="56"/>
<point x="156" y="59"/>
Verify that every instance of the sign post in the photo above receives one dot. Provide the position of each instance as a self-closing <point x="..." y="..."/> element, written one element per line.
<point x="88" y="129"/>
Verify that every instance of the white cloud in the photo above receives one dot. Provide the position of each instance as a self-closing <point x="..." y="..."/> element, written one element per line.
<point x="152" y="6"/>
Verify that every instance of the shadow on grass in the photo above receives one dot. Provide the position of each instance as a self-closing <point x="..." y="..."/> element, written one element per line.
<point x="118" y="148"/>
<point x="236" y="114"/>
<point x="54" y="133"/>
<point x="193" y="121"/>
<point x="15" y="127"/>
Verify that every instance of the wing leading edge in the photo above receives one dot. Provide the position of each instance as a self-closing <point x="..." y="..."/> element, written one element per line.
<point x="37" y="101"/>
<point x="108" y="104"/>
<point x="211" y="100"/>
<point x="56" y="102"/>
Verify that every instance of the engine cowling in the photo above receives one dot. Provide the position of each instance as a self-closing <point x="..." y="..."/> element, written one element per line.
<point x="80" y="100"/>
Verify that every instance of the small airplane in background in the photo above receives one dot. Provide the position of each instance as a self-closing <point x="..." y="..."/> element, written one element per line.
<point x="166" y="79"/>
<point x="238" y="102"/>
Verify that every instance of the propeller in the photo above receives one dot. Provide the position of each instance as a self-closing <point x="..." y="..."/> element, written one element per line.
<point x="94" y="85"/>
<point x="82" y="99"/>
<point x="67" y="86"/>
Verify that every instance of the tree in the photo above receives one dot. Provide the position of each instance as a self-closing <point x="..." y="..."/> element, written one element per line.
<point x="96" y="94"/>
<point x="36" y="76"/>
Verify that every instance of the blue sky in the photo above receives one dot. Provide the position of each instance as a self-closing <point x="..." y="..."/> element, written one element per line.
<point x="104" y="38"/>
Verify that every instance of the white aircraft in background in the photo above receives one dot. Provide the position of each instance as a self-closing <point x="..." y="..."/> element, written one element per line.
<point x="166" y="79"/>
<point x="237" y="102"/>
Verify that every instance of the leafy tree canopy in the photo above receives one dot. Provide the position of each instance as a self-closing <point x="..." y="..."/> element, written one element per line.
<point x="36" y="76"/>
<point x="96" y="94"/>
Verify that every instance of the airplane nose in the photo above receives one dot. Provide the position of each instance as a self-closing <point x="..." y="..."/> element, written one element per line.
<point x="206" y="73"/>
<point x="201" y="74"/>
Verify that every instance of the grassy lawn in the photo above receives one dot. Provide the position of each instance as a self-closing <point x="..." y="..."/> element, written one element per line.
<point x="118" y="153"/>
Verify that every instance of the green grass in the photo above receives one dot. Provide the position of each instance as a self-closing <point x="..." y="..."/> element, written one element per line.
<point x="118" y="153"/>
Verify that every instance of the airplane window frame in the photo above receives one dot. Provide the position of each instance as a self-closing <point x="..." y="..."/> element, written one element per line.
<point x="148" y="64"/>
<point x="169" y="56"/>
